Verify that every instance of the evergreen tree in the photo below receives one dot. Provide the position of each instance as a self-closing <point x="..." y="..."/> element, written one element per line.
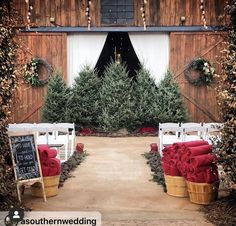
<point x="170" y="101"/>
<point x="145" y="98"/>
<point x="55" y="104"/>
<point x="83" y="104"/>
<point x="115" y="97"/>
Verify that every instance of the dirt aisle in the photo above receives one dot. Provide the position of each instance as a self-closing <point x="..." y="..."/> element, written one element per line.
<point x="115" y="180"/>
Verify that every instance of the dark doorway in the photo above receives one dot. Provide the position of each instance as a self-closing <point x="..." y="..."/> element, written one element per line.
<point x="118" y="47"/>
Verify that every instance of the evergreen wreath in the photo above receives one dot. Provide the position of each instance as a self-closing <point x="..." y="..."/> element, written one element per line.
<point x="205" y="70"/>
<point x="31" y="72"/>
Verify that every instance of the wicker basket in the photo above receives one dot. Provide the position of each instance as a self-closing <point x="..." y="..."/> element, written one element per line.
<point x="50" y="185"/>
<point x="202" y="193"/>
<point x="176" y="186"/>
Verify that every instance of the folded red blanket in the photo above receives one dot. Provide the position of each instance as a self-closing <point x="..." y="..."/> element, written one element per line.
<point x="185" y="158"/>
<point x="190" y="144"/>
<point x="166" y="168"/>
<point x="45" y="170"/>
<point x="192" y="169"/>
<point x="212" y="176"/>
<point x="43" y="147"/>
<point x="54" y="163"/>
<point x="170" y="170"/>
<point x="174" y="171"/>
<point x="53" y="172"/>
<point x="202" y="160"/>
<point x="49" y="153"/>
<point x="197" y="177"/>
<point x="199" y="150"/>
<point x="208" y="175"/>
<point x="169" y="152"/>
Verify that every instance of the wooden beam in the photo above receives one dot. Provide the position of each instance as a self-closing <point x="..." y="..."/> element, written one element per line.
<point x="125" y="29"/>
<point x="38" y="105"/>
<point x="200" y="107"/>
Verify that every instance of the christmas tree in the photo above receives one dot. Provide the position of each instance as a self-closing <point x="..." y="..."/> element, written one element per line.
<point x="83" y="103"/>
<point x="115" y="98"/>
<point x="55" y="104"/>
<point x="145" y="98"/>
<point x="170" y="101"/>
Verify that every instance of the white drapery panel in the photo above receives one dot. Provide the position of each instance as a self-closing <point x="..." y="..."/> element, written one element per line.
<point x="83" y="49"/>
<point x="152" y="50"/>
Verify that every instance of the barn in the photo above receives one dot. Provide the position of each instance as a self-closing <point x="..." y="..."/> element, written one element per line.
<point x="159" y="34"/>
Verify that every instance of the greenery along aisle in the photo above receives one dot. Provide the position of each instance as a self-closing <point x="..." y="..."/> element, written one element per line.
<point x="55" y="104"/>
<point x="83" y="102"/>
<point x="115" y="99"/>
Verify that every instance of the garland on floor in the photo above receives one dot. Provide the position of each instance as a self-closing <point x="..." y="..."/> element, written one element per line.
<point x="67" y="167"/>
<point x="154" y="161"/>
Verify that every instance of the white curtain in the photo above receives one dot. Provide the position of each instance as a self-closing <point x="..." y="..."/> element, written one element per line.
<point x="152" y="50"/>
<point x="83" y="49"/>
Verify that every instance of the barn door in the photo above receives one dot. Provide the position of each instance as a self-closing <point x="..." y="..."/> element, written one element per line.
<point x="52" y="48"/>
<point x="200" y="101"/>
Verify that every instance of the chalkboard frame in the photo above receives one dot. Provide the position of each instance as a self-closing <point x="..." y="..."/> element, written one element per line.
<point x="29" y="137"/>
<point x="23" y="148"/>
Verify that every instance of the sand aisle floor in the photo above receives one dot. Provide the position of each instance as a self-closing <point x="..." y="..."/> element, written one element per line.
<point x="115" y="180"/>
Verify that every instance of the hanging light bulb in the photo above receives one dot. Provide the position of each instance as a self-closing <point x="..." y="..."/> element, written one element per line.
<point x="142" y="9"/>
<point x="203" y="13"/>
<point x="87" y="13"/>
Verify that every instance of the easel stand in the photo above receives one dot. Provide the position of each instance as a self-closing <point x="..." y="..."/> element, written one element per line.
<point x="19" y="154"/>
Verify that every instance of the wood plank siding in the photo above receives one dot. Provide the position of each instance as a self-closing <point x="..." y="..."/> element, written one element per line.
<point x="50" y="47"/>
<point x="184" y="47"/>
<point x="158" y="12"/>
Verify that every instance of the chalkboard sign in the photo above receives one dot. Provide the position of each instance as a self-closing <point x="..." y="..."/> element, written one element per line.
<point x="25" y="157"/>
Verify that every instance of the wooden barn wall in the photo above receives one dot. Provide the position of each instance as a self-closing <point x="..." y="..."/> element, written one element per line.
<point x="158" y="12"/>
<point x="50" y="47"/>
<point x="184" y="47"/>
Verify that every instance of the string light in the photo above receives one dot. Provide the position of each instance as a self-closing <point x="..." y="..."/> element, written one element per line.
<point x="203" y="13"/>
<point x="29" y="13"/>
<point x="142" y="9"/>
<point x="87" y="13"/>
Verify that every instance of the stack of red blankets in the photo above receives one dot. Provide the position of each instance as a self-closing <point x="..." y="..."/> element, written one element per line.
<point x="51" y="166"/>
<point x="193" y="160"/>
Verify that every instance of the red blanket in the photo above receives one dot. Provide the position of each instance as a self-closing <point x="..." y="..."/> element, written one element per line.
<point x="202" y="160"/>
<point x="199" y="150"/>
<point x="190" y="144"/>
<point x="55" y="166"/>
<point x="45" y="170"/>
<point x="170" y="170"/>
<point x="205" y="174"/>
